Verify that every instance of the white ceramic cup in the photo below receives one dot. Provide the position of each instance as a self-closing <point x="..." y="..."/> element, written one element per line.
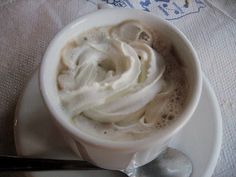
<point x="112" y="154"/>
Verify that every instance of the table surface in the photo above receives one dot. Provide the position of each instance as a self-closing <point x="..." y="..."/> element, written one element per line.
<point x="27" y="27"/>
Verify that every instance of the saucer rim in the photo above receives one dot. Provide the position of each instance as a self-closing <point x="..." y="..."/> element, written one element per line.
<point x="219" y="134"/>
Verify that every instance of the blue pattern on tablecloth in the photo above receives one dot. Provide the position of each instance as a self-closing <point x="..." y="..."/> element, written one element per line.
<point x="169" y="9"/>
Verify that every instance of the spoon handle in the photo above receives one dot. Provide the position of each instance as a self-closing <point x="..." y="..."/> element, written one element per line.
<point x="15" y="163"/>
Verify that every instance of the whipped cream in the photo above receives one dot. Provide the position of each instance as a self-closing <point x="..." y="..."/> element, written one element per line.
<point x="111" y="80"/>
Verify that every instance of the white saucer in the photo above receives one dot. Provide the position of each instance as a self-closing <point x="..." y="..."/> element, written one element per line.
<point x="35" y="135"/>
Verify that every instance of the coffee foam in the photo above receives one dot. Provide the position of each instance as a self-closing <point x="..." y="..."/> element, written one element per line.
<point x="94" y="35"/>
<point x="177" y="99"/>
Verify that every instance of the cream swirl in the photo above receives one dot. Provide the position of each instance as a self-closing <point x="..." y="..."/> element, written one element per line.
<point x="112" y="80"/>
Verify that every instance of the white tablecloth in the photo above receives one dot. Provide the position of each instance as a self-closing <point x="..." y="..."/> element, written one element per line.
<point x="26" y="28"/>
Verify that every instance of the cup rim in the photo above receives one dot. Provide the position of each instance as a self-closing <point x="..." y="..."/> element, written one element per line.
<point x="165" y="134"/>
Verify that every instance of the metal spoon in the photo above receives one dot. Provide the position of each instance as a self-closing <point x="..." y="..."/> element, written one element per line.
<point x="171" y="163"/>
